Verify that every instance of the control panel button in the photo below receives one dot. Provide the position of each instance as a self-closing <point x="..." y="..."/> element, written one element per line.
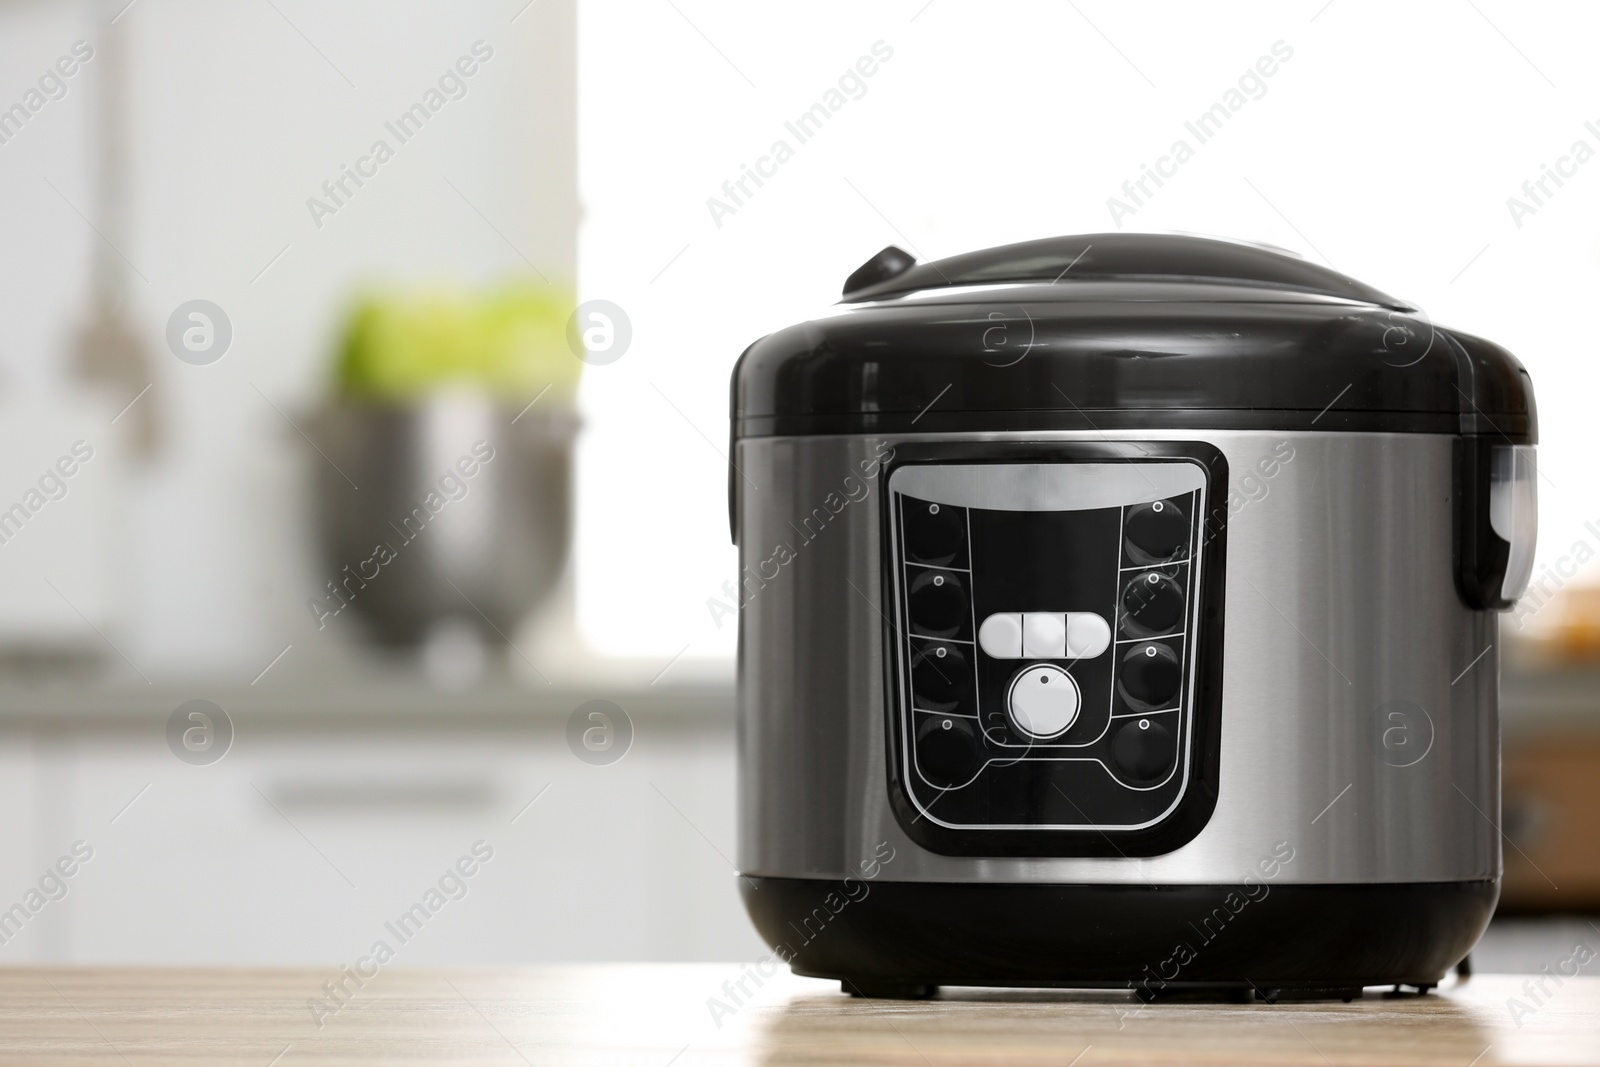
<point x="948" y="752"/>
<point x="938" y="603"/>
<point x="1000" y="636"/>
<point x="1044" y="635"/>
<point x="1157" y="531"/>
<point x="1088" y="635"/>
<point x="1043" y="701"/>
<point x="1144" y="750"/>
<point x="934" y="532"/>
<point x="1150" y="675"/>
<point x="1154" y="601"/>
<point x="940" y="677"/>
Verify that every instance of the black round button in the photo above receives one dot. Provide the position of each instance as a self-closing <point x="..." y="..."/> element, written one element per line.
<point x="1156" y="531"/>
<point x="938" y="604"/>
<point x="1144" y="750"/>
<point x="1150" y="676"/>
<point x="934" y="532"/>
<point x="1153" y="601"/>
<point x="939" y="677"/>
<point x="948" y="753"/>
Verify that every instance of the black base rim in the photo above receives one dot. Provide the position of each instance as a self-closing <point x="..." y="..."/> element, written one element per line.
<point x="905" y="939"/>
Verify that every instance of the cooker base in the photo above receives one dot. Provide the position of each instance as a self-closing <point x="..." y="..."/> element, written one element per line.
<point x="904" y="939"/>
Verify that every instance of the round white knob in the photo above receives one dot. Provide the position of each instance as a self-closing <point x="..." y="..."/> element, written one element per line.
<point x="1043" y="700"/>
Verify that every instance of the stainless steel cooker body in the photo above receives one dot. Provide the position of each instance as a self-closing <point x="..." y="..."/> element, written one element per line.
<point x="1358" y="726"/>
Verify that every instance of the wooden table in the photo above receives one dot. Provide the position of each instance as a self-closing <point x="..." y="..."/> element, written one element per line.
<point x="657" y="1015"/>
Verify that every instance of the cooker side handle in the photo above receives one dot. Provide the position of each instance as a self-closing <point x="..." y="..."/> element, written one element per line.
<point x="733" y="446"/>
<point x="1497" y="521"/>
<point x="734" y="410"/>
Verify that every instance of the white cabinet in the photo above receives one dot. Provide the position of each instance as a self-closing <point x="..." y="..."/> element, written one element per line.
<point x="305" y="840"/>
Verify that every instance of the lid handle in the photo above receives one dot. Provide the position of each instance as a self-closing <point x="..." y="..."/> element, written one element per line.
<point x="889" y="263"/>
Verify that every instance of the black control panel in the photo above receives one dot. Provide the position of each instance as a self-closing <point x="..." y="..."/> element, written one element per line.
<point x="1047" y="653"/>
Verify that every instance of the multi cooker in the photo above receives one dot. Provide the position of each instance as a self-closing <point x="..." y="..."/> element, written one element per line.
<point x="1120" y="610"/>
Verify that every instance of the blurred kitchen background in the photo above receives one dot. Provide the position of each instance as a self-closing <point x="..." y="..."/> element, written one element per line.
<point x="238" y="341"/>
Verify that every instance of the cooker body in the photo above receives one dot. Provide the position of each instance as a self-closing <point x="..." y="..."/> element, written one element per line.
<point x="1332" y="768"/>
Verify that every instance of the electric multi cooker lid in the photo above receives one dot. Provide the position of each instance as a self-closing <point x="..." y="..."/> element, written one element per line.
<point x="1155" y="332"/>
<point x="1124" y="331"/>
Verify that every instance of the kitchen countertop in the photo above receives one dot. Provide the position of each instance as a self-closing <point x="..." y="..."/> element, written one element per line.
<point x="359" y="702"/>
<point x="359" y="692"/>
<point x="658" y="1014"/>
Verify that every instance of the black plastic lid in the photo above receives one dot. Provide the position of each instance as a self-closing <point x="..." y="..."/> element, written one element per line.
<point x="1120" y="331"/>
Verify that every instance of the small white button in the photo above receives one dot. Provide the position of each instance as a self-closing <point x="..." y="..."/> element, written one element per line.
<point x="1001" y="635"/>
<point x="1043" y="700"/>
<point x="1088" y="635"/>
<point x="1044" y="635"/>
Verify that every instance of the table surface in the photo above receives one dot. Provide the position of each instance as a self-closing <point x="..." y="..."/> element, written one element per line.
<point x="659" y="1014"/>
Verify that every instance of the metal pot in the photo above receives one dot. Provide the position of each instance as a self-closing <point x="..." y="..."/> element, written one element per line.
<point x="454" y="508"/>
